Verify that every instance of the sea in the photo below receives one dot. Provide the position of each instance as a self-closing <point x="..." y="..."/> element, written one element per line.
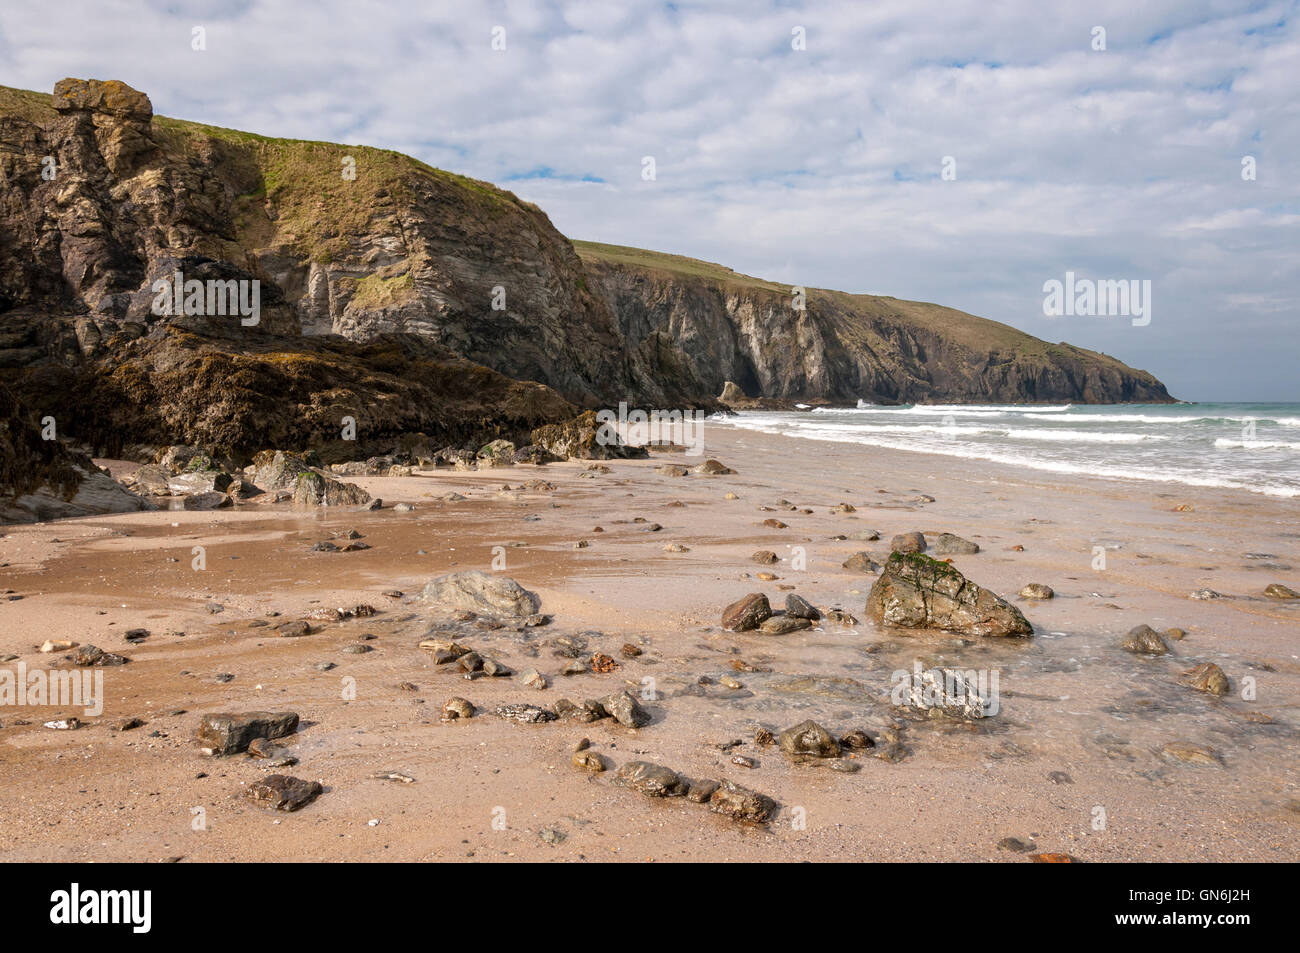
<point x="1253" y="447"/>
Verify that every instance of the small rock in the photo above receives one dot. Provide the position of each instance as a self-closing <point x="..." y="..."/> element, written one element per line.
<point x="1036" y="590"/>
<point x="1144" y="640"/>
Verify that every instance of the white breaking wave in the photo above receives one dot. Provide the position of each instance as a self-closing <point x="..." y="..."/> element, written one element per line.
<point x="1188" y="461"/>
<point x="1224" y="444"/>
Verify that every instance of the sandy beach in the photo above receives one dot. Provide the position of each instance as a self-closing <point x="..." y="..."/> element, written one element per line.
<point x="1075" y="761"/>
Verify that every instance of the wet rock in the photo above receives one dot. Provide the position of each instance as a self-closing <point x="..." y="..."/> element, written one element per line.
<point x="907" y="543"/>
<point x="652" y="780"/>
<point x="1207" y="678"/>
<point x="764" y="557"/>
<point x="1190" y="753"/>
<point x="840" y="617"/>
<point x="712" y="468"/>
<point x="672" y="470"/>
<point x="916" y="591"/>
<point x="746" y="613"/>
<point x="1144" y="640"/>
<point x="857" y="740"/>
<point x="945" y="691"/>
<point x="225" y="734"/>
<point x="808" y="741"/>
<point x="1036" y="590"/>
<point x="206" y="501"/>
<point x="589" y="761"/>
<point x="798" y="607"/>
<point x="626" y="710"/>
<point x="1278" y="591"/>
<point x="457" y="708"/>
<point x="524" y="714"/>
<point x="481" y="592"/>
<point x="784" y="625"/>
<point x="1175" y="635"/>
<point x="283" y="793"/>
<point x="700" y="791"/>
<point x="742" y="804"/>
<point x="1205" y="594"/>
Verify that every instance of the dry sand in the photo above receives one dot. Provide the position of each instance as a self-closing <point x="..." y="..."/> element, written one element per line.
<point x="1071" y="700"/>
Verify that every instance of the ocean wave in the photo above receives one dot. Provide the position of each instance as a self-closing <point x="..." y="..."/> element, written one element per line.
<point x="773" y="424"/>
<point x="1082" y="436"/>
<point x="1224" y="444"/>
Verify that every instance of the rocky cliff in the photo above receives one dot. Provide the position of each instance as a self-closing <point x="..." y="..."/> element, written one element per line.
<point x="408" y="298"/>
<point x="844" y="347"/>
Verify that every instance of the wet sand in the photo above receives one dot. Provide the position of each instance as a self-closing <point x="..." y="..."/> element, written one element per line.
<point x="1071" y="700"/>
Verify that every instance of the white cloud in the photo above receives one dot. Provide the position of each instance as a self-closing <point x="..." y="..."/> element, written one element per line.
<point x="821" y="166"/>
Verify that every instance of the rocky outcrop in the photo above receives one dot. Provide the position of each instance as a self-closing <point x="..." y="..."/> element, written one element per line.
<point x="743" y="335"/>
<point x="417" y="302"/>
<point x="41" y="479"/>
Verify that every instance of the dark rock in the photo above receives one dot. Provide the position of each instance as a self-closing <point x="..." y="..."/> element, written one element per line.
<point x="283" y="793"/>
<point x="747" y="613"/>
<point x="784" y="625"/>
<point x="226" y="734"/>
<point x="798" y="607"/>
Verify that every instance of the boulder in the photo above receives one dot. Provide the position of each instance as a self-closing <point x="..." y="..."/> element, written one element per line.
<point x="282" y="792"/>
<point x="652" y="780"/>
<point x="481" y="592"/>
<point x="741" y="803"/>
<point x="584" y="438"/>
<point x="908" y="543"/>
<point x="498" y="453"/>
<point x="229" y="734"/>
<point x="746" y="613"/>
<point x="946" y="544"/>
<point x="915" y="591"/>
<point x="797" y="607"/>
<point x="863" y="563"/>
<point x="807" y="741"/>
<point x="1144" y="640"/>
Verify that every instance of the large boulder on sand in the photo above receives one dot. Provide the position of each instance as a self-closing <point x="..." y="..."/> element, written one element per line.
<point x="481" y="592"/>
<point x="584" y="438"/>
<point x="916" y="591"/>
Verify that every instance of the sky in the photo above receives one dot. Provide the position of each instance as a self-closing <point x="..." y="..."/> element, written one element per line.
<point x="961" y="152"/>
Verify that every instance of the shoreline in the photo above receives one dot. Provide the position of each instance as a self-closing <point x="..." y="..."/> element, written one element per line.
<point x="1072" y="702"/>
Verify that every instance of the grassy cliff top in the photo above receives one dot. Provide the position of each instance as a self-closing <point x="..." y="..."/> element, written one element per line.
<point x="964" y="328"/>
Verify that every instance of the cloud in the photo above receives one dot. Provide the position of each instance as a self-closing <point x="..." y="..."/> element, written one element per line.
<point x="818" y="166"/>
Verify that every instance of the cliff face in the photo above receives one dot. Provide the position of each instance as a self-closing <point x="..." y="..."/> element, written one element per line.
<point x="384" y="283"/>
<point x="844" y="347"/>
